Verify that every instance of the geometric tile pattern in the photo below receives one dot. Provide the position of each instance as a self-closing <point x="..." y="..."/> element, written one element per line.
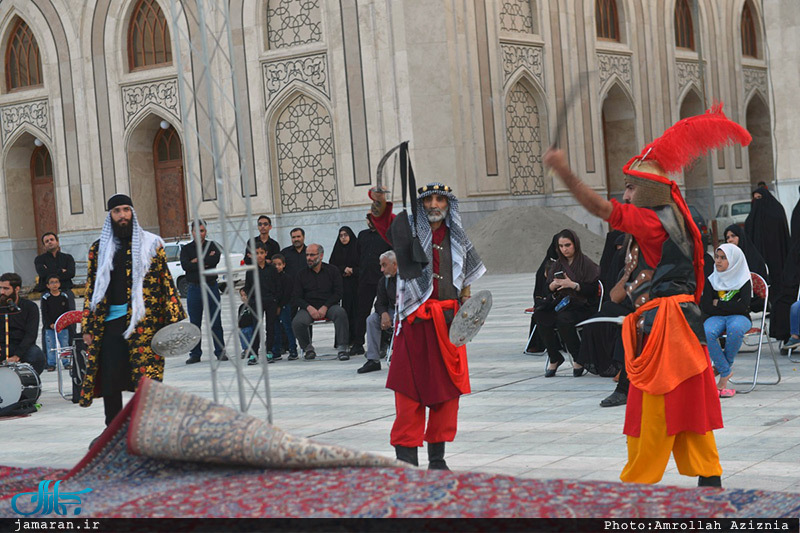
<point x="524" y="142"/>
<point x="516" y="16"/>
<point x="306" y="165"/>
<point x="293" y="22"/>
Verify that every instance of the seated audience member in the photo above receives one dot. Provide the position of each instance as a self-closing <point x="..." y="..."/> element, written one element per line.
<point x="601" y="350"/>
<point x="572" y="298"/>
<point x="247" y="324"/>
<point x="23" y="325"/>
<point x="317" y="293"/>
<point x="345" y="258"/>
<point x="382" y="318"/>
<point x="783" y="295"/>
<point x="794" y="326"/>
<point x="283" y="322"/>
<point x="734" y="234"/>
<point x="54" y="304"/>
<point x="726" y="302"/>
<point x="269" y="289"/>
<point x="536" y="344"/>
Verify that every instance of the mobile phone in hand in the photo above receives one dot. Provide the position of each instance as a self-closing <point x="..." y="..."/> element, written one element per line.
<point x="559" y="275"/>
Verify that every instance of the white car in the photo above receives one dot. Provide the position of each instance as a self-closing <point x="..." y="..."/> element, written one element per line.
<point x="734" y="212"/>
<point x="173" y="250"/>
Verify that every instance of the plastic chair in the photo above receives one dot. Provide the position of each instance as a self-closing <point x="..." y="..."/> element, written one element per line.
<point x="761" y="290"/>
<point x="600" y="292"/>
<point x="64" y="321"/>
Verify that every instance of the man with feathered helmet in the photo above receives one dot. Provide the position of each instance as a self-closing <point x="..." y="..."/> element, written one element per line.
<point x="673" y="403"/>
<point x="427" y="370"/>
<point x="129" y="296"/>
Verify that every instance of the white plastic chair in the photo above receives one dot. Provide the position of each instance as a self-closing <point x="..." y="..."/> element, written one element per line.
<point x="761" y="290"/>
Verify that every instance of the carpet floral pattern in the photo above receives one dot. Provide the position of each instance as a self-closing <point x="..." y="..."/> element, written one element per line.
<point x="170" y="454"/>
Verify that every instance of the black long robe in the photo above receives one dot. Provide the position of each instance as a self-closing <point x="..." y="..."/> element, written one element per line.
<point x="766" y="227"/>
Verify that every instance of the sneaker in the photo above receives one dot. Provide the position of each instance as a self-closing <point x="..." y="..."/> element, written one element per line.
<point x="310" y="354"/>
<point x="791" y="342"/>
<point x="616" y="398"/>
<point x="243" y="354"/>
<point x="223" y="357"/>
<point x="192" y="360"/>
<point x="370" y="366"/>
<point x="357" y="349"/>
<point x="252" y="360"/>
<point x="343" y="356"/>
<point x="292" y="356"/>
<point x="276" y="356"/>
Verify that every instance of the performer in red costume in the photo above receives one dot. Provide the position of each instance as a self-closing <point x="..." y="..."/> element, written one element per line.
<point x="427" y="370"/>
<point x="673" y="403"/>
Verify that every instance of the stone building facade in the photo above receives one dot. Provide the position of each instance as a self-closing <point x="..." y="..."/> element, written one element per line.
<point x="89" y="105"/>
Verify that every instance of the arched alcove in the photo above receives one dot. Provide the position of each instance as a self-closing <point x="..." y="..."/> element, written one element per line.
<point x="619" y="137"/>
<point x="303" y="153"/>
<point x="525" y="131"/>
<point x="697" y="187"/>
<point x="760" y="150"/>
<point x="155" y="170"/>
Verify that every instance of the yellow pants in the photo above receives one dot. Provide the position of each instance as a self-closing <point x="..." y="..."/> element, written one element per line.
<point x="648" y="454"/>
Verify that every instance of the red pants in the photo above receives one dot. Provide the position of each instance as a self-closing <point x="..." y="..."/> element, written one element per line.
<point x="409" y="425"/>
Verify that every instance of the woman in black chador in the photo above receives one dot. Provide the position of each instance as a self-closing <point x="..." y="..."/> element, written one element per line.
<point x="766" y="227"/>
<point x="345" y="257"/>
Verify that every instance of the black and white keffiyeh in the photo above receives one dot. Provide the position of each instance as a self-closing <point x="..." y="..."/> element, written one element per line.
<point x="467" y="265"/>
<point x="144" y="246"/>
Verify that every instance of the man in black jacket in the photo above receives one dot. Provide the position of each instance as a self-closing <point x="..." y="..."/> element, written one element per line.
<point x="381" y="319"/>
<point x="264" y="225"/>
<point x="54" y="261"/>
<point x="23" y="325"/>
<point x="194" y="296"/>
<point x="370" y="247"/>
<point x="295" y="255"/>
<point x="317" y="293"/>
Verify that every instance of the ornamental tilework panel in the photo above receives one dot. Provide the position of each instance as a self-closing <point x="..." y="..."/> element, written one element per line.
<point x="518" y="55"/>
<point x="615" y="64"/>
<point x="13" y="116"/>
<point x="162" y="93"/>
<point x="312" y="70"/>
<point x="293" y="22"/>
<point x="306" y="166"/>
<point x="755" y="78"/>
<point x="524" y="142"/>
<point x="516" y="16"/>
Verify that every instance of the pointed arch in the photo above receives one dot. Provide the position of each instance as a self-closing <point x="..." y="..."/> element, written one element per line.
<point x="618" y="115"/>
<point x="760" y="151"/>
<point x="302" y="151"/>
<point x="526" y="135"/>
<point x="149" y="43"/>
<point x="749" y="33"/>
<point x="23" y="62"/>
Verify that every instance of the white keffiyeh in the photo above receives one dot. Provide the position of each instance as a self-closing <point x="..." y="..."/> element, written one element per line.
<point x="144" y="246"/>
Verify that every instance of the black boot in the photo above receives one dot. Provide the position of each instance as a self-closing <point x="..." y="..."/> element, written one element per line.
<point x="407" y="454"/>
<point x="436" y="456"/>
<point x="710" y="481"/>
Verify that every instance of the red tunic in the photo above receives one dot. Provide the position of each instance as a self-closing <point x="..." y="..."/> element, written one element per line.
<point x="417" y="369"/>
<point x="694" y="404"/>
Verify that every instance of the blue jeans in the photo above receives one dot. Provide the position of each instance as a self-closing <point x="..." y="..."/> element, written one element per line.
<point x="246" y="338"/>
<point x="734" y="326"/>
<point x="194" y="301"/>
<point x="50" y="343"/>
<point x="284" y="323"/>
<point x="794" y="318"/>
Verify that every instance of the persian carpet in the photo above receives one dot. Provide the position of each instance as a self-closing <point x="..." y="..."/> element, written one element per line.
<point x="171" y="454"/>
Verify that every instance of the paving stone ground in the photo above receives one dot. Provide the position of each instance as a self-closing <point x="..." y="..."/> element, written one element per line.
<point x="515" y="421"/>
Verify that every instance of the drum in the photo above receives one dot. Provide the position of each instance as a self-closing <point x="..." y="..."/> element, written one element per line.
<point x="19" y="384"/>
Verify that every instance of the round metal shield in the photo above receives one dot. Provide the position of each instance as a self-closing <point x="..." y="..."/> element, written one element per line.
<point x="470" y="318"/>
<point x="175" y="339"/>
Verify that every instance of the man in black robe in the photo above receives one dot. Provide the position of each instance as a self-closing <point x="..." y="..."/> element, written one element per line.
<point x="370" y="247"/>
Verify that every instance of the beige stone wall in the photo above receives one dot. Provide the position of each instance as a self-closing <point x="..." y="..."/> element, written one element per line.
<point x="475" y="85"/>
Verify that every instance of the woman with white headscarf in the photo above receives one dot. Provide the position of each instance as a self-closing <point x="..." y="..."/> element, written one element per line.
<point x="726" y="303"/>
